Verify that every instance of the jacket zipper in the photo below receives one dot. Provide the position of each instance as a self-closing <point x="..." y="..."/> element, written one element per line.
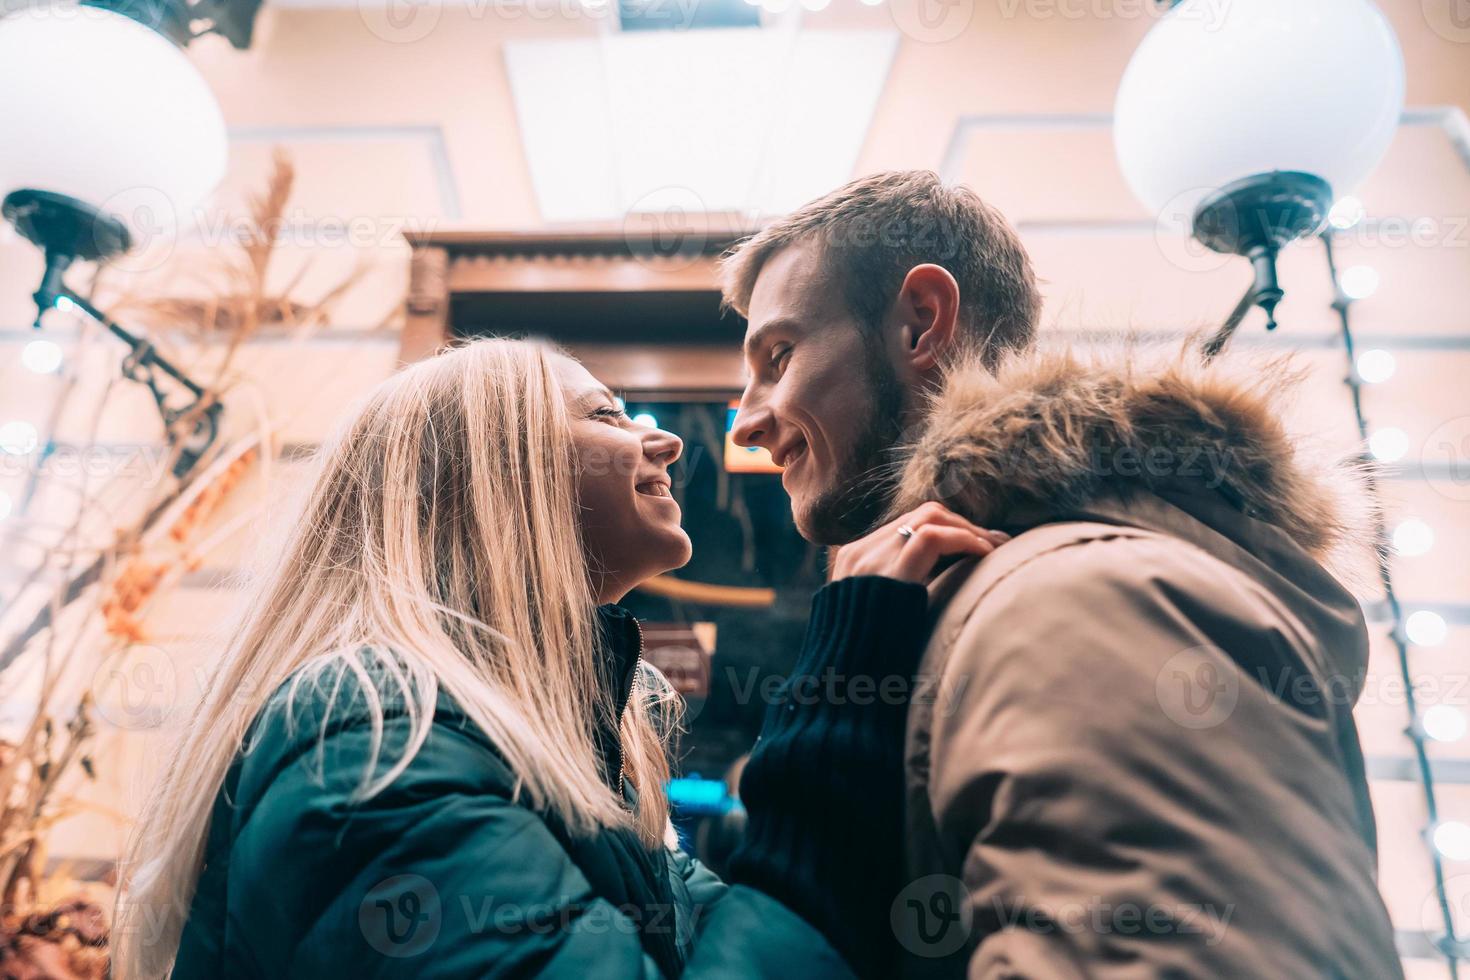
<point x="622" y="753"/>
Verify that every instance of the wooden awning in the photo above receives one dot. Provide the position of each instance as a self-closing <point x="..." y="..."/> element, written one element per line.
<point x="641" y="307"/>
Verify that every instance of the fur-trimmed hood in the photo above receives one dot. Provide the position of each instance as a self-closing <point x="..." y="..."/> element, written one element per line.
<point x="1058" y="429"/>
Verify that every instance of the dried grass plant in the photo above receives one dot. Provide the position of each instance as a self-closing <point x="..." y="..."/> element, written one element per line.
<point x="91" y="598"/>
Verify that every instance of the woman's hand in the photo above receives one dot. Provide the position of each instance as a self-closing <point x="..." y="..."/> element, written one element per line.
<point x="937" y="532"/>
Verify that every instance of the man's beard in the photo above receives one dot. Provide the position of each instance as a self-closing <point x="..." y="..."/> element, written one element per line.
<point x="866" y="479"/>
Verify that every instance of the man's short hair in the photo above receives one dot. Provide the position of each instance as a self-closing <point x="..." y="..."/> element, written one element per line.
<point x="873" y="230"/>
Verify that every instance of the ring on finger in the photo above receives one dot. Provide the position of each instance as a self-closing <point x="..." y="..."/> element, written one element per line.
<point x="905" y="532"/>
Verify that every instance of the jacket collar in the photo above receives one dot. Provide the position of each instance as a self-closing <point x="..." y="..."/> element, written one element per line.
<point x="1060" y="431"/>
<point x="622" y="648"/>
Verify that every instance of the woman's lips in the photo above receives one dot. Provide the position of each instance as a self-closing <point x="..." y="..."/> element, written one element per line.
<point x="654" y="489"/>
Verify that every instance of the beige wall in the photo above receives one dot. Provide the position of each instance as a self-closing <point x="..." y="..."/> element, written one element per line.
<point x="424" y="134"/>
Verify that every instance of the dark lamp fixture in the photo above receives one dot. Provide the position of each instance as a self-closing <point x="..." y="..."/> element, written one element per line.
<point x="1257" y="217"/>
<point x="67" y="230"/>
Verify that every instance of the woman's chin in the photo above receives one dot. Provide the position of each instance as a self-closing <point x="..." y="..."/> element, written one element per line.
<point x="669" y="548"/>
<point x="665" y="553"/>
<point x="680" y="548"/>
<point x="658" y="549"/>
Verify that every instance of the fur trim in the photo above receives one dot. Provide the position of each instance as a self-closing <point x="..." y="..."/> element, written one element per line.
<point x="1058" y="428"/>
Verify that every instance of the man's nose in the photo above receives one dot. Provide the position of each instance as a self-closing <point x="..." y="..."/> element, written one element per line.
<point x="752" y="424"/>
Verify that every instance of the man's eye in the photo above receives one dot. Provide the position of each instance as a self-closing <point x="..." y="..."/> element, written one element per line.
<point x="778" y="357"/>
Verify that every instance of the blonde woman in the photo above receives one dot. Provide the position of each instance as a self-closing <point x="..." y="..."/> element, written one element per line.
<point x="431" y="749"/>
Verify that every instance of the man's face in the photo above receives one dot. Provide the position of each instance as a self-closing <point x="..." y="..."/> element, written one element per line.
<point x="823" y="396"/>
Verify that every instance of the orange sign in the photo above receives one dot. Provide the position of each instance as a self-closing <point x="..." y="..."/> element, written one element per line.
<point x="744" y="459"/>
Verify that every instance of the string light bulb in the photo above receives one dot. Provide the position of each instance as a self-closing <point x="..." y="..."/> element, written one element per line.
<point x="1452" y="839"/>
<point x="1412" y="538"/>
<point x="1376" y="366"/>
<point x="1388" y="445"/>
<point x="41" y="356"/>
<point x="1347" y="212"/>
<point x="1443" y="723"/>
<point x="18" y="438"/>
<point x="1426" y="628"/>
<point x="1359" y="281"/>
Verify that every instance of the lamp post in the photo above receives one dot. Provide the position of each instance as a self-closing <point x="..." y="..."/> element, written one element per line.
<point x="66" y="230"/>
<point x="117" y="138"/>
<point x="1241" y="125"/>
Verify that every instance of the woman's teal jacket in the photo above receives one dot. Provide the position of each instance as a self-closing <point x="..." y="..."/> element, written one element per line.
<point x="445" y="873"/>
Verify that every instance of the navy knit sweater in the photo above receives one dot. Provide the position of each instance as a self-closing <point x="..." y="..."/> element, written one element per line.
<point x="824" y="787"/>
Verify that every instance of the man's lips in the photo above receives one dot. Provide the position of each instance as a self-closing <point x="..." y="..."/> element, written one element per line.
<point x="790" y="454"/>
<point x="792" y="457"/>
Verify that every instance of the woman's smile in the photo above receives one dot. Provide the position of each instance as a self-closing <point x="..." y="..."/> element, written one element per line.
<point x="656" y="488"/>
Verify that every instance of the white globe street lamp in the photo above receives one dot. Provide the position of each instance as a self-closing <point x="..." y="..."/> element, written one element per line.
<point x="114" y="115"/>
<point x="1243" y="128"/>
<point x="116" y="137"/>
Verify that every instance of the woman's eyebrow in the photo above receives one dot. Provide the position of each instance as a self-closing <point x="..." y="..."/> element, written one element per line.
<point x="592" y="396"/>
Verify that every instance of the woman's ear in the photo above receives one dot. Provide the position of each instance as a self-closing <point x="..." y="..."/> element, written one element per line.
<point x="928" y="306"/>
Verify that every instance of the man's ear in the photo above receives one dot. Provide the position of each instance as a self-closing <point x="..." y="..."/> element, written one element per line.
<point x="928" y="309"/>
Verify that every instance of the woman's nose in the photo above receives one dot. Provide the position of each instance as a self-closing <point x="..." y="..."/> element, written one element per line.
<point x="665" y="447"/>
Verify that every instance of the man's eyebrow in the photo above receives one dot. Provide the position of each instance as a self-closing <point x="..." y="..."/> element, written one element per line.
<point x="753" y="339"/>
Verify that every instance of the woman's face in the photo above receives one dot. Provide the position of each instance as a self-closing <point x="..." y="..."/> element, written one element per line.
<point x="630" y="520"/>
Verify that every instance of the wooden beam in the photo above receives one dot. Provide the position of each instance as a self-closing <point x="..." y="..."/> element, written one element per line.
<point x="582" y="274"/>
<point x="695" y="235"/>
<point x="714" y="370"/>
<point x="426" y="325"/>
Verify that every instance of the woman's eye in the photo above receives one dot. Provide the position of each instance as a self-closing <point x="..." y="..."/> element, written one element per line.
<point x="612" y="414"/>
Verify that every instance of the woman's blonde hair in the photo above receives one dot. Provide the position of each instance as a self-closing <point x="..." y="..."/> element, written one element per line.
<point x="442" y="527"/>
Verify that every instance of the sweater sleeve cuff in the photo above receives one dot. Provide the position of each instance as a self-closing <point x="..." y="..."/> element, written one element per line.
<point x="866" y="624"/>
